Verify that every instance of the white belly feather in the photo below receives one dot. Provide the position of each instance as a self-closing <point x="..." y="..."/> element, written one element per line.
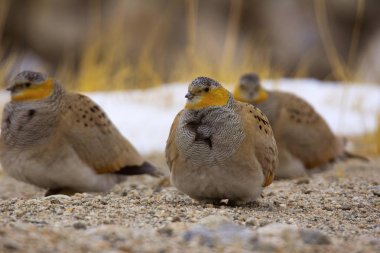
<point x="54" y="168"/>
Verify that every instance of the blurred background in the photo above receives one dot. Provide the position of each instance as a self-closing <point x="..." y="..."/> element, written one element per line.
<point x="121" y="44"/>
<point x="101" y="45"/>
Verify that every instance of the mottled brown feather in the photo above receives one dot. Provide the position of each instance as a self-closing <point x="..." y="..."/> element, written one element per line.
<point x="94" y="137"/>
<point x="304" y="132"/>
<point x="263" y="139"/>
<point x="171" y="151"/>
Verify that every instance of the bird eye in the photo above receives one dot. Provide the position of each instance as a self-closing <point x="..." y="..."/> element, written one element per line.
<point x="27" y="85"/>
<point x="207" y="89"/>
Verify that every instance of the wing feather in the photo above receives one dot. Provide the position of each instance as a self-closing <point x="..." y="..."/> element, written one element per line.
<point x="171" y="151"/>
<point x="265" y="145"/>
<point x="94" y="137"/>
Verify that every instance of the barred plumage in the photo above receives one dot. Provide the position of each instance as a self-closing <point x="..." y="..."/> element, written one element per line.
<point x="26" y="123"/>
<point x="220" y="123"/>
<point x="222" y="150"/>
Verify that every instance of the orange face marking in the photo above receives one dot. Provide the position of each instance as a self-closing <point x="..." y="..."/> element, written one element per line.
<point x="260" y="97"/>
<point x="215" y="97"/>
<point x="35" y="92"/>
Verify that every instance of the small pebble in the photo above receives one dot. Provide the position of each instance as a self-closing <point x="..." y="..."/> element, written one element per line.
<point x="167" y="231"/>
<point x="345" y="207"/>
<point x="175" y="219"/>
<point x="302" y="181"/>
<point x="307" y="191"/>
<point x="376" y="190"/>
<point x="79" y="225"/>
<point x="293" y="216"/>
<point x="11" y="246"/>
<point x="251" y="222"/>
<point x="314" y="237"/>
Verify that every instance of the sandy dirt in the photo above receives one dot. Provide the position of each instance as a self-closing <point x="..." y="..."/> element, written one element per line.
<point x="334" y="210"/>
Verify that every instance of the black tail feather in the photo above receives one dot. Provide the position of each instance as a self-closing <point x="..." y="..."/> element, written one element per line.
<point x="347" y="155"/>
<point x="145" y="168"/>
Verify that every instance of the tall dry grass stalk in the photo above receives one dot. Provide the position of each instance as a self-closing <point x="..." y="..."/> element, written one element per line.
<point x="6" y="65"/>
<point x="336" y="62"/>
<point x="360" y="7"/>
<point x="191" y="23"/>
<point x="251" y="56"/>
<point x="191" y="61"/>
<point x="105" y="62"/>
<point x="344" y="70"/>
<point x="4" y="7"/>
<point x="229" y="51"/>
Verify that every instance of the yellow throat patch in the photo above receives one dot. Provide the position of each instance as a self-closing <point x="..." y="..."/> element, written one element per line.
<point x="215" y="97"/>
<point x="261" y="96"/>
<point x="35" y="92"/>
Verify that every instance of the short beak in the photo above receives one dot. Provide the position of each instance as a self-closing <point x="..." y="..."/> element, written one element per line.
<point x="189" y="95"/>
<point x="9" y="89"/>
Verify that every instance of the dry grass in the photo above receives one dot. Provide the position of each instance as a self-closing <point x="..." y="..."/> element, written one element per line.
<point x="7" y="64"/>
<point x="344" y="70"/>
<point x="104" y="63"/>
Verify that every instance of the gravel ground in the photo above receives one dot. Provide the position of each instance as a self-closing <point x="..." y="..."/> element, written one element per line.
<point x="335" y="210"/>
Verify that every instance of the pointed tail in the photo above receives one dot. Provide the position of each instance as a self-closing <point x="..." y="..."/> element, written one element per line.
<point x="347" y="155"/>
<point x="145" y="168"/>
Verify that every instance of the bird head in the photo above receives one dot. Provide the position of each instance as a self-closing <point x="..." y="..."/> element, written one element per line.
<point x="249" y="89"/>
<point x="205" y="92"/>
<point x="30" y="86"/>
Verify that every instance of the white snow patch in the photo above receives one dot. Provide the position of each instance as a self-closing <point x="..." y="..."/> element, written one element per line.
<point x="349" y="109"/>
<point x="145" y="116"/>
